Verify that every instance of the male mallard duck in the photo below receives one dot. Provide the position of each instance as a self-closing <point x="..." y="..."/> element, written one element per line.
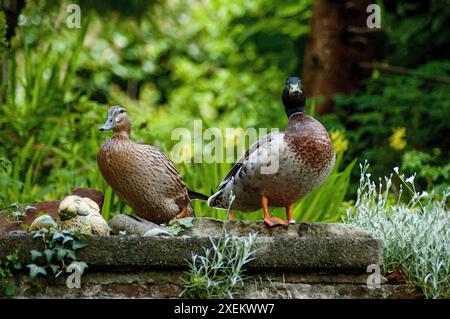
<point x="142" y="175"/>
<point x="299" y="161"/>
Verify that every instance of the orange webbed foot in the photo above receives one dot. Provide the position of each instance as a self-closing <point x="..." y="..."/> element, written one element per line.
<point x="183" y="213"/>
<point x="274" y="221"/>
<point x="269" y="220"/>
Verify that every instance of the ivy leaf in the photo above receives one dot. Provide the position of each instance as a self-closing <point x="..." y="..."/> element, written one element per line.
<point x="57" y="237"/>
<point x="35" y="254"/>
<point x="17" y="265"/>
<point x="54" y="268"/>
<point x="61" y="253"/>
<point x="187" y="222"/>
<point x="176" y="225"/>
<point x="35" y="270"/>
<point x="67" y="239"/>
<point x="49" y="253"/>
<point x="71" y="254"/>
<point x="67" y="233"/>
<point x="184" y="222"/>
<point x="77" y="245"/>
<point x="14" y="260"/>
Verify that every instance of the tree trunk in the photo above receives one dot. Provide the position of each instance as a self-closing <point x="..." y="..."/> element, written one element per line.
<point x="12" y="9"/>
<point x="339" y="41"/>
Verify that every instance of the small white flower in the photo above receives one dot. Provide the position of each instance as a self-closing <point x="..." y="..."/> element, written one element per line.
<point x="424" y="193"/>
<point x="396" y="169"/>
<point x="410" y="179"/>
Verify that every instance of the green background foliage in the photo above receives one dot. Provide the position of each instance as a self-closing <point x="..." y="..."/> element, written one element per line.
<point x="222" y="62"/>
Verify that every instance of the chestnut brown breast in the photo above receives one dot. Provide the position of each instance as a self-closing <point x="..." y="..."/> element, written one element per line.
<point x="310" y="142"/>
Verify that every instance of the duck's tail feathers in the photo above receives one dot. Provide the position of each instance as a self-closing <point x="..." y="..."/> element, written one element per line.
<point x="195" y="195"/>
<point x="217" y="200"/>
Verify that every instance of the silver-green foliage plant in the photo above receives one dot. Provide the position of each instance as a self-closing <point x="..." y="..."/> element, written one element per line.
<point x="219" y="272"/>
<point x="416" y="234"/>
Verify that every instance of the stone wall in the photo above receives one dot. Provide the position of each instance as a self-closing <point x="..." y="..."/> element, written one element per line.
<point x="307" y="260"/>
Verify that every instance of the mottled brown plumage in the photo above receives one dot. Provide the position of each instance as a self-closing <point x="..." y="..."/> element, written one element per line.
<point x="141" y="175"/>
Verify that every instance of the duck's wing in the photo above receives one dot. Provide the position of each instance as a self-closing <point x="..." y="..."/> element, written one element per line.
<point x="167" y="165"/>
<point x="174" y="174"/>
<point x="241" y="162"/>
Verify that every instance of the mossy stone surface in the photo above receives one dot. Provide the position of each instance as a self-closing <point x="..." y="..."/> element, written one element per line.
<point x="301" y="247"/>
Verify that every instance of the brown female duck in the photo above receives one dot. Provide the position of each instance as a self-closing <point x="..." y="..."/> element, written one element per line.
<point x="142" y="175"/>
<point x="281" y="167"/>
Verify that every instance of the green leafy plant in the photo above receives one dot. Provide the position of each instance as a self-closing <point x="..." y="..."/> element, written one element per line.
<point x="10" y="264"/>
<point x="60" y="82"/>
<point x="177" y="225"/>
<point x="389" y="104"/>
<point x="59" y="253"/>
<point x="219" y="272"/>
<point x="55" y="99"/>
<point x="430" y="171"/>
<point x="14" y="212"/>
<point x="416" y="234"/>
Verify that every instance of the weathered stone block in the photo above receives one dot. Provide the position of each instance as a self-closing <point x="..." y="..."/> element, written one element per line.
<point x="302" y="247"/>
<point x="307" y="260"/>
